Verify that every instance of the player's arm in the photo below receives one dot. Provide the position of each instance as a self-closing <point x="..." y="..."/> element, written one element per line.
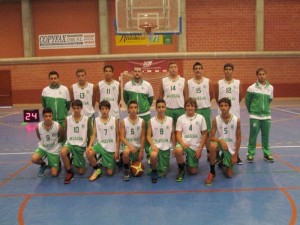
<point x="212" y="136"/>
<point x="202" y="143"/>
<point x="238" y="142"/>
<point x="211" y="90"/>
<point x="161" y="90"/>
<point x="173" y="136"/>
<point x="94" y="98"/>
<point x="150" y="95"/>
<point x="117" y="154"/>
<point x="217" y="92"/>
<point x="149" y="137"/>
<point x="240" y="92"/>
<point x="68" y="100"/>
<point x="98" y="94"/>
<point x="93" y="137"/>
<point x="180" y="139"/>
<point x="123" y="136"/>
<point x="186" y="90"/>
<point x="143" y="139"/>
<point x="66" y="129"/>
<point x="37" y="133"/>
<point x="71" y="93"/>
<point x="119" y="96"/>
<point x="248" y="99"/>
<point x="61" y="134"/>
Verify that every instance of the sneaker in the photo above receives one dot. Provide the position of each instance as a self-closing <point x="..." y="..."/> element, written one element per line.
<point x="268" y="158"/>
<point x="126" y="175"/>
<point x="97" y="173"/>
<point x="154" y="176"/>
<point x="250" y="159"/>
<point x="99" y="159"/>
<point x="209" y="180"/>
<point x="239" y="161"/>
<point x="42" y="170"/>
<point x="180" y="176"/>
<point x="69" y="177"/>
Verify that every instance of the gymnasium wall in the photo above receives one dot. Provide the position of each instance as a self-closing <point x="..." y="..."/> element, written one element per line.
<point x="212" y="26"/>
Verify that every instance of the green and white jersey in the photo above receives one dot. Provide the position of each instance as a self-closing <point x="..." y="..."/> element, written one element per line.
<point x="191" y="128"/>
<point x="77" y="131"/>
<point x="227" y="131"/>
<point x="142" y="92"/>
<point x="58" y="99"/>
<point x="173" y="92"/>
<point x="110" y="92"/>
<point x="232" y="91"/>
<point x="133" y="132"/>
<point x="161" y="132"/>
<point x="49" y="138"/>
<point x="86" y="96"/>
<point x="106" y="133"/>
<point x="258" y="99"/>
<point x="200" y="92"/>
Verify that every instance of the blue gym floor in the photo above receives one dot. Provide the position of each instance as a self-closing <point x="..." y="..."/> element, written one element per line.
<point x="259" y="193"/>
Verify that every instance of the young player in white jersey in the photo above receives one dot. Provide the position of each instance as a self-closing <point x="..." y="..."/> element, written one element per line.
<point x="106" y="134"/>
<point x="77" y="134"/>
<point x="132" y="135"/>
<point x="173" y="91"/>
<point x="50" y="133"/>
<point x="226" y="137"/>
<point x="161" y="137"/>
<point x="201" y="89"/>
<point x="230" y="88"/>
<point x="191" y="134"/>
<point x="110" y="90"/>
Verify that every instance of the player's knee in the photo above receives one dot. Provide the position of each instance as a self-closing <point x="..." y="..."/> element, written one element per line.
<point x="153" y="155"/>
<point x="126" y="152"/>
<point x="64" y="151"/>
<point x="109" y="172"/>
<point x="178" y="151"/>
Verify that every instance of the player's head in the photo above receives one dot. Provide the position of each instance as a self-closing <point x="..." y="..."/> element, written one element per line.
<point x="53" y="78"/>
<point x="160" y="106"/>
<point x="228" y="66"/>
<point x="47" y="114"/>
<point x="137" y="72"/>
<point x="81" y="74"/>
<point x="109" y="67"/>
<point x="173" y="69"/>
<point x="198" y="69"/>
<point x="261" y="74"/>
<point x="47" y="110"/>
<point x="197" y="65"/>
<point x="76" y="103"/>
<point x="224" y="100"/>
<point x="108" y="71"/>
<point x="133" y="107"/>
<point x="190" y="101"/>
<point x="228" y="69"/>
<point x="104" y="107"/>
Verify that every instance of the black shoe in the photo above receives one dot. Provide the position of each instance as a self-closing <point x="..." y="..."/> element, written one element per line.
<point x="154" y="176"/>
<point x="239" y="161"/>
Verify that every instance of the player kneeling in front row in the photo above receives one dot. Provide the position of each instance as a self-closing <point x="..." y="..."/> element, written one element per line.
<point x="191" y="134"/>
<point x="50" y="133"/>
<point x="106" y="134"/>
<point x="161" y="137"/>
<point x="226" y="137"/>
<point x="77" y="130"/>
<point x="132" y="134"/>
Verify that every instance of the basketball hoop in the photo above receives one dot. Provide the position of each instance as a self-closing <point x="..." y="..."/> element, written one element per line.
<point x="147" y="28"/>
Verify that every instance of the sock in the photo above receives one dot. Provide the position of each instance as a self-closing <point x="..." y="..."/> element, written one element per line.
<point x="70" y="171"/>
<point x="126" y="166"/>
<point x="43" y="164"/>
<point x="98" y="166"/>
<point x="212" y="169"/>
<point x="181" y="166"/>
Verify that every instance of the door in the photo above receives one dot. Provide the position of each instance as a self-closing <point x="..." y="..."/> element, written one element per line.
<point x="5" y="89"/>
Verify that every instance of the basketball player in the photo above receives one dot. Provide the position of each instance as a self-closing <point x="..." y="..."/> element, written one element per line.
<point x="161" y="137"/>
<point x="173" y="91"/>
<point x="50" y="133"/>
<point x="225" y="137"/>
<point x="132" y="135"/>
<point x="191" y="135"/>
<point x="77" y="133"/>
<point x="258" y="98"/>
<point x="201" y="89"/>
<point x="110" y="90"/>
<point x="230" y="88"/>
<point x="57" y="97"/>
<point x="106" y="134"/>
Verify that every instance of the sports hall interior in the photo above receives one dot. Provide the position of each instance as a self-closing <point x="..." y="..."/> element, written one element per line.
<point x="247" y="33"/>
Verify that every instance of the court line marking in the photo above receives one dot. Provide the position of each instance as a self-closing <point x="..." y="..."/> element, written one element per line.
<point x="283" y="110"/>
<point x="12" y="114"/>
<point x="21" y="210"/>
<point x="293" y="219"/>
<point x="10" y="177"/>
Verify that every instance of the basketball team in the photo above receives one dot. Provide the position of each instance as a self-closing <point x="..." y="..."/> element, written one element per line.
<point x="182" y="125"/>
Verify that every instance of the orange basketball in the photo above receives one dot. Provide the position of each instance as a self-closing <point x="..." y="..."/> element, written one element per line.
<point x="137" y="168"/>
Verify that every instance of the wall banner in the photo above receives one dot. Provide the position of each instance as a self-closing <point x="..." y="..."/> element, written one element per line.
<point x="58" y="41"/>
<point x="127" y="40"/>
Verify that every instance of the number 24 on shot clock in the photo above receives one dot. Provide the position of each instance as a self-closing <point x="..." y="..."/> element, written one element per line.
<point x="31" y="115"/>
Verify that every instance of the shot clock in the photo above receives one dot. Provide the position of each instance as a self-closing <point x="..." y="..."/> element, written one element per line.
<point x="31" y="115"/>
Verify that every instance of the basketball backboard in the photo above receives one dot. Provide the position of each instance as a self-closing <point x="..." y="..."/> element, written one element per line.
<point x="138" y="16"/>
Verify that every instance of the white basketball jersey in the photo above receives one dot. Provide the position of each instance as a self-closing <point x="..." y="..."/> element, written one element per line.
<point x="232" y="91"/>
<point x="191" y="129"/>
<point x="106" y="133"/>
<point x="173" y="92"/>
<point x="200" y="92"/>
<point x="49" y="138"/>
<point x="227" y="131"/>
<point x="161" y="132"/>
<point x="86" y="96"/>
<point x="77" y="131"/>
<point x="110" y="92"/>
<point x="133" y="132"/>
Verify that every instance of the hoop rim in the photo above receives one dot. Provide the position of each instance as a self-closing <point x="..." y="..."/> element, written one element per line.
<point x="148" y="27"/>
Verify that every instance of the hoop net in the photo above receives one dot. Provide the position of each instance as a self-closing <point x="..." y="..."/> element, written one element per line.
<point x="148" y="28"/>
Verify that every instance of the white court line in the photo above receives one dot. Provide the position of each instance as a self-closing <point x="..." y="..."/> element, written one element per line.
<point x="286" y="111"/>
<point x="9" y="115"/>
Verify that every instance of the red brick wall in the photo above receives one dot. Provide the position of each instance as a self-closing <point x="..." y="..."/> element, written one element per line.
<point x="11" y="34"/>
<point x="67" y="16"/>
<point x="220" y="25"/>
<point x="282" y="25"/>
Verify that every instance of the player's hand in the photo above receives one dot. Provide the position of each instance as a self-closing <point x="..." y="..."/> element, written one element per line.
<point x="132" y="148"/>
<point x="154" y="148"/>
<point x="185" y="145"/>
<point x="224" y="145"/>
<point x="234" y="159"/>
<point x="141" y="155"/>
<point x="116" y="156"/>
<point x="198" y="154"/>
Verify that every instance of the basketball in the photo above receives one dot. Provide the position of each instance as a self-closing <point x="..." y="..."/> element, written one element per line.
<point x="137" y="168"/>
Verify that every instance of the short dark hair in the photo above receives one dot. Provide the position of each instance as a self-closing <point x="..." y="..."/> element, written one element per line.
<point x="171" y="63"/>
<point x="80" y="71"/>
<point x="260" y="69"/>
<point x="228" y="65"/>
<point x="192" y="101"/>
<point x="53" y="72"/>
<point x="105" y="104"/>
<point x="47" y="110"/>
<point x="160" y="100"/>
<point x="197" y="64"/>
<point x="108" y="66"/>
<point x="132" y="102"/>
<point x="225" y="100"/>
<point x="76" y="102"/>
